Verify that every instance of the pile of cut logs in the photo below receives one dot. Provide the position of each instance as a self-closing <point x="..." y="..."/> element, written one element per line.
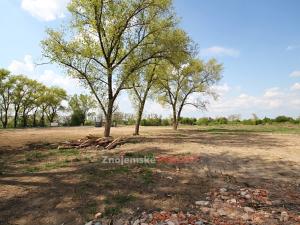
<point x="94" y="142"/>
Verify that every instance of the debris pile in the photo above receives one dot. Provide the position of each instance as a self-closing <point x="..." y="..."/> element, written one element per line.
<point x="244" y="206"/>
<point x="94" y="142"/>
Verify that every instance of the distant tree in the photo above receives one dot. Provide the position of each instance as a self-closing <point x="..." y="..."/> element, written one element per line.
<point x="6" y="94"/>
<point x="54" y="99"/>
<point x="23" y="90"/>
<point x="178" y="83"/>
<point x="81" y="106"/>
<point x="107" y="37"/>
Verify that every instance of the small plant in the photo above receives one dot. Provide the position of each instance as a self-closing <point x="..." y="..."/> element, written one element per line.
<point x="112" y="211"/>
<point x="32" y="169"/>
<point x="34" y="156"/>
<point x="147" y="176"/>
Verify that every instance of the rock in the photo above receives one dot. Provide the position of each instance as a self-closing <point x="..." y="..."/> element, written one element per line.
<point x="97" y="223"/>
<point x="247" y="196"/>
<point x="144" y="223"/>
<point x="245" y="216"/>
<point x="232" y="201"/>
<point x="199" y="223"/>
<point x="222" y="190"/>
<point x="89" y="223"/>
<point x="170" y="178"/>
<point x="205" y="209"/>
<point x="202" y="203"/>
<point x="97" y="215"/>
<point x="221" y="212"/>
<point x="249" y="210"/>
<point x="284" y="217"/>
<point x="243" y="193"/>
<point x="136" y="222"/>
<point x="170" y="223"/>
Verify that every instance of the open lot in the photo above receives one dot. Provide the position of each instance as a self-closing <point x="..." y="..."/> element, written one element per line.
<point x="40" y="184"/>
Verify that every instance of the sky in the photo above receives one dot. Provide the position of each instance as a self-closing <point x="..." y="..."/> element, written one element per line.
<point x="258" y="43"/>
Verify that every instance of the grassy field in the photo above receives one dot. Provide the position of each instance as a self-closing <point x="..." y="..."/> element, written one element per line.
<point x="40" y="184"/>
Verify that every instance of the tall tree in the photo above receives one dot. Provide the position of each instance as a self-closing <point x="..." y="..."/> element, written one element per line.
<point x="31" y="101"/>
<point x="6" y="90"/>
<point x="81" y="105"/>
<point x="180" y="47"/>
<point x="22" y="87"/>
<point x="106" y="36"/>
<point x="179" y="82"/>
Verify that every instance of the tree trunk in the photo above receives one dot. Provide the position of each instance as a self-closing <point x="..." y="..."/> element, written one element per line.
<point x="108" y="118"/>
<point x="16" y="119"/>
<point x="24" y="119"/>
<point x="34" y="119"/>
<point x="5" y="120"/>
<point x="42" y="119"/>
<point x="139" y="119"/>
<point x="175" y="119"/>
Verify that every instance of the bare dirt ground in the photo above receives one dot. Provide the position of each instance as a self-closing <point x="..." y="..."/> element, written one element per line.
<point x="42" y="185"/>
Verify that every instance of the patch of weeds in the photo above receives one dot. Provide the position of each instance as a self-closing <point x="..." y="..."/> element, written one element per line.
<point x="120" y="199"/>
<point x="111" y="211"/>
<point x="68" y="152"/>
<point x="32" y="169"/>
<point x="147" y="176"/>
<point x="92" y="208"/>
<point x="34" y="156"/>
<point x="55" y="165"/>
<point x="120" y="169"/>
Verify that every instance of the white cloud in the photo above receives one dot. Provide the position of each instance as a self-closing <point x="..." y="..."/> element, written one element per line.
<point x="295" y="73"/>
<point x="19" y="67"/>
<point x="45" y="10"/>
<point x="292" y="47"/>
<point x="48" y="77"/>
<point x="296" y="87"/>
<point x="272" y="92"/>
<point x="220" y="51"/>
<point x="221" y="89"/>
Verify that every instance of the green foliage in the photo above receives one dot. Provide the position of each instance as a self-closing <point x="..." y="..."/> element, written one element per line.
<point x="81" y="107"/>
<point x="283" y="119"/>
<point x="187" y="121"/>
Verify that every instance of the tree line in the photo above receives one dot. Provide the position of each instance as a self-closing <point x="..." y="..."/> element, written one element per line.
<point x="26" y="102"/>
<point x="136" y="46"/>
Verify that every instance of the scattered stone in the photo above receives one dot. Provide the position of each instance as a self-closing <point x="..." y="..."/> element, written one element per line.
<point x="284" y="217"/>
<point x="232" y="201"/>
<point x="249" y="210"/>
<point x="223" y="190"/>
<point x="202" y="203"/>
<point x="98" y="215"/>
<point x="89" y="223"/>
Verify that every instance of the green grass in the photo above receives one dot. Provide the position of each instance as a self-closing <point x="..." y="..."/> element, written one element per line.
<point x="34" y="156"/>
<point x="275" y="128"/>
<point x="111" y="211"/>
<point x="120" y="199"/>
<point x="55" y="165"/>
<point x="147" y="176"/>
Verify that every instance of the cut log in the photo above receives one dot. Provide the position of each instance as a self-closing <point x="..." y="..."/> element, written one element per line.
<point x="117" y="141"/>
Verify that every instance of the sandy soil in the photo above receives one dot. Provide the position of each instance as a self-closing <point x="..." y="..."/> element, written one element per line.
<point x="53" y="187"/>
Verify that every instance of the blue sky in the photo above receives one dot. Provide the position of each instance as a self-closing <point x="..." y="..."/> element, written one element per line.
<point x="257" y="41"/>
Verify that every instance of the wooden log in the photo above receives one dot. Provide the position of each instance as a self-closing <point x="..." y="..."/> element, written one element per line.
<point x="114" y="144"/>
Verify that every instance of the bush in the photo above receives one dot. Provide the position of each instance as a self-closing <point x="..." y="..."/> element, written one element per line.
<point x="203" y="121"/>
<point x="77" y="118"/>
<point x="188" y="121"/>
<point x="283" y="119"/>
